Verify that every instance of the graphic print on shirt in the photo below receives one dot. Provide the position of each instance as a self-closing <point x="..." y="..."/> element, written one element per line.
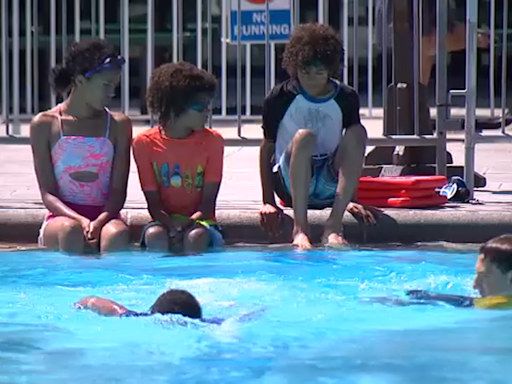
<point x="187" y="181"/>
<point x="316" y="118"/>
<point x="165" y="179"/>
<point x="176" y="177"/>
<point x="199" y="177"/>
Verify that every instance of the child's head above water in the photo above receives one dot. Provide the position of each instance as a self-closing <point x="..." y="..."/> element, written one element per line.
<point x="494" y="267"/>
<point x="313" y="55"/>
<point x="91" y="72"/>
<point x="179" y="96"/>
<point x="179" y="302"/>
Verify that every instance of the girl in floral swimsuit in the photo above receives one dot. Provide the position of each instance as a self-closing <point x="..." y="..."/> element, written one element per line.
<point x="82" y="154"/>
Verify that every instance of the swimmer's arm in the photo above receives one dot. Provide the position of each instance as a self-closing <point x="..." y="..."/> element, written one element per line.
<point x="453" y="300"/>
<point x="101" y="306"/>
<point x="40" y="135"/>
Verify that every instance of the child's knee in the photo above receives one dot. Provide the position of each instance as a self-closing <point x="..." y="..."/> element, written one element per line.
<point x="71" y="230"/>
<point x="197" y="240"/>
<point x="156" y="237"/>
<point x="304" y="137"/>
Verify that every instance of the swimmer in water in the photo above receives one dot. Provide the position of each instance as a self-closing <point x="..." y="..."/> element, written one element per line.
<point x="493" y="281"/>
<point x="173" y="301"/>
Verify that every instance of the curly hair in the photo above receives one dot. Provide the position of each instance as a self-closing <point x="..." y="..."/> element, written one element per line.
<point x="173" y="86"/>
<point x="80" y="58"/>
<point x="313" y="44"/>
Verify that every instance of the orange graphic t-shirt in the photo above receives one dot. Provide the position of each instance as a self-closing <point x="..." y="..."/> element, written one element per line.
<point x="178" y="168"/>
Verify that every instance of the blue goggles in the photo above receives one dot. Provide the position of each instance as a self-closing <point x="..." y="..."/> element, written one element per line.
<point x="107" y="64"/>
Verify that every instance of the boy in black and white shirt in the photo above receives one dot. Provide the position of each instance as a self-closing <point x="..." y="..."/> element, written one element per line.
<point x="314" y="144"/>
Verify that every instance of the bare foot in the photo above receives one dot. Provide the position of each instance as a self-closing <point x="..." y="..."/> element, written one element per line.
<point x="332" y="239"/>
<point x="301" y="241"/>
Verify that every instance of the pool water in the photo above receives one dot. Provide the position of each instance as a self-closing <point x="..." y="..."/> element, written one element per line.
<point x="317" y="327"/>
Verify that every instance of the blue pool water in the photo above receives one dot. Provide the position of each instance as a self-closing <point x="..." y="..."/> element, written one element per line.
<point x="316" y="328"/>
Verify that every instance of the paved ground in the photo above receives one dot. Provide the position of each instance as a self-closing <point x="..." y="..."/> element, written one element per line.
<point x="240" y="188"/>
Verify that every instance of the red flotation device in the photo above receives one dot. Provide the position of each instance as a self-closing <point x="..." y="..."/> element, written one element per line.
<point x="401" y="191"/>
<point x="402" y="182"/>
<point x="405" y="202"/>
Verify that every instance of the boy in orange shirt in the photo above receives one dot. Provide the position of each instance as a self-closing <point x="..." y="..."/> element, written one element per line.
<point x="180" y="161"/>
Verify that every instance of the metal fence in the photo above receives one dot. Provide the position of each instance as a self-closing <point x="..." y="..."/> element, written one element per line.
<point x="23" y="38"/>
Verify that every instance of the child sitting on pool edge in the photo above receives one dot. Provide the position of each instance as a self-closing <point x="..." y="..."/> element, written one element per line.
<point x="314" y="143"/>
<point x="180" y="162"/>
<point x="171" y="302"/>
<point x="493" y="281"/>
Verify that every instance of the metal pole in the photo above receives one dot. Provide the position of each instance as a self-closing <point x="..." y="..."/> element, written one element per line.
<point x="64" y="32"/>
<point x="441" y="85"/>
<point x="35" y="23"/>
<point x="16" y="65"/>
<point x="492" y="56"/>
<point x="125" y="51"/>
<point x="355" y="45"/>
<point x="504" y="59"/>
<point x="5" y="66"/>
<point x="77" y="20"/>
<point x="416" y="64"/>
<point x="345" y="41"/>
<point x="267" y="47"/>
<point x="248" y="79"/>
<point x="210" y="48"/>
<point x="239" y="67"/>
<point x="101" y="17"/>
<point x="296" y="12"/>
<point x="53" y="42"/>
<point x="385" y="53"/>
<point x="223" y="60"/>
<point x="471" y="66"/>
<point x="272" y="65"/>
<point x="199" y="44"/>
<point x="180" y="29"/>
<point x="174" y="31"/>
<point x="370" y="58"/>
<point x="321" y="14"/>
<point x="150" y="42"/>
<point x="28" y="57"/>
<point x="93" y="18"/>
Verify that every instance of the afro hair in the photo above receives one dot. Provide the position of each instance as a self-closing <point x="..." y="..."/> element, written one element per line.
<point x="313" y="44"/>
<point x="173" y="86"/>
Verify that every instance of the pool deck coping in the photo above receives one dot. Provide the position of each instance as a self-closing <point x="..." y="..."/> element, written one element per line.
<point x="453" y="224"/>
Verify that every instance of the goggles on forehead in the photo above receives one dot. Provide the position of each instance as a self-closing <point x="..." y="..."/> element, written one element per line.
<point x="107" y="64"/>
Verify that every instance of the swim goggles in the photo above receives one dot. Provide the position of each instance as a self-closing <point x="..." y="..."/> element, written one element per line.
<point x="107" y="64"/>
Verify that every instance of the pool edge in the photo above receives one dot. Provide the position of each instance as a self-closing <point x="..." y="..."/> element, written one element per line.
<point x="404" y="226"/>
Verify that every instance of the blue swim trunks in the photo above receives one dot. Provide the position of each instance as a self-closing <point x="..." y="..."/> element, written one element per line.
<point x="323" y="184"/>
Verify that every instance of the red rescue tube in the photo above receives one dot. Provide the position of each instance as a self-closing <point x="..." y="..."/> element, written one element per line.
<point x="388" y="193"/>
<point x="406" y="202"/>
<point x="402" y="182"/>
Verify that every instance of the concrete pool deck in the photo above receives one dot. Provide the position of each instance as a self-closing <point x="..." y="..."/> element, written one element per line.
<point x="21" y="211"/>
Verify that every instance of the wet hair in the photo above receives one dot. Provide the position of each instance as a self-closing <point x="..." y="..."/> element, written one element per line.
<point x="81" y="57"/>
<point x="498" y="251"/>
<point x="179" y="302"/>
<point x="173" y="86"/>
<point x="313" y="44"/>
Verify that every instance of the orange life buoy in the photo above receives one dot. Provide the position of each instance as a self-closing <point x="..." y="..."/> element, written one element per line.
<point x="402" y="182"/>
<point x="405" y="202"/>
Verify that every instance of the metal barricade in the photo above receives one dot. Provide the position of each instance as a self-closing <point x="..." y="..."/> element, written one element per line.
<point x="23" y="33"/>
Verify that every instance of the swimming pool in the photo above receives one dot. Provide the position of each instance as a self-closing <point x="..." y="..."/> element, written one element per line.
<point x="315" y="330"/>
